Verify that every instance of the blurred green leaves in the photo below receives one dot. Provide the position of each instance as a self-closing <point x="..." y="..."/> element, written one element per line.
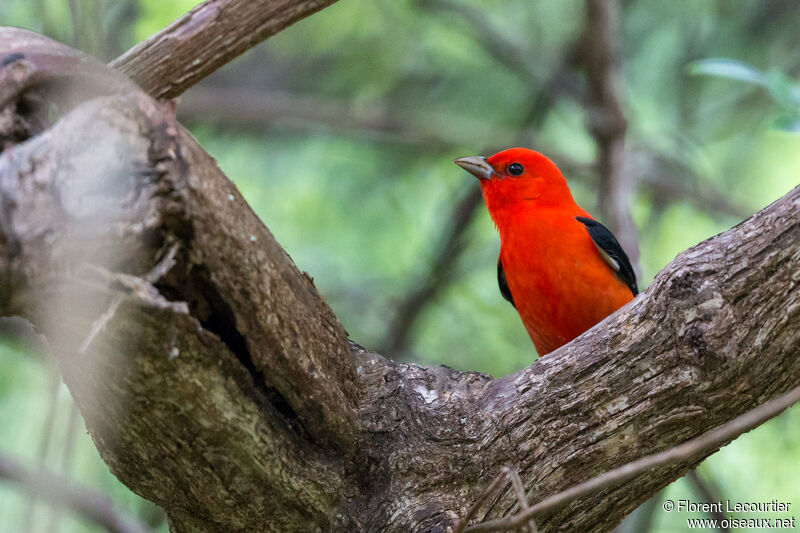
<point x="783" y="90"/>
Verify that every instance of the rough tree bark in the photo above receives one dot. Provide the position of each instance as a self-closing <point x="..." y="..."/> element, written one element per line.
<point x="216" y="382"/>
<point x="206" y="38"/>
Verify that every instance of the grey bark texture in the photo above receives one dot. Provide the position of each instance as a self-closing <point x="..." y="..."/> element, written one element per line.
<point x="216" y="382"/>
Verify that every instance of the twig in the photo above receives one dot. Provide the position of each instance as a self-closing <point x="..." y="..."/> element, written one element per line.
<point x="683" y="452"/>
<point x="451" y="246"/>
<point x="140" y="286"/>
<point x="45" y="439"/>
<point x="641" y="519"/>
<point x="519" y="61"/>
<point x="75" y="16"/>
<point x="258" y="108"/>
<point x="519" y="490"/>
<point x="707" y="493"/>
<point x="206" y="38"/>
<point x="87" y="503"/>
<point x="671" y="179"/>
<point x="507" y="52"/>
<point x="164" y="265"/>
<point x="510" y="474"/>
<point x="498" y="482"/>
<point x="67" y="456"/>
<point x="101" y="322"/>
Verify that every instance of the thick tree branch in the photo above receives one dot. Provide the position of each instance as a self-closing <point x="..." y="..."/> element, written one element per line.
<point x="39" y="76"/>
<point x="711" y="440"/>
<point x="225" y="390"/>
<point x="206" y="38"/>
<point x="286" y="395"/>
<point x="87" y="504"/>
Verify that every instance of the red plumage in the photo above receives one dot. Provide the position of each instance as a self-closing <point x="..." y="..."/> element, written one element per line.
<point x="565" y="272"/>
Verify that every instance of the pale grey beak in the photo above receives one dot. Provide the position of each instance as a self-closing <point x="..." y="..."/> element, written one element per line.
<point x="477" y="166"/>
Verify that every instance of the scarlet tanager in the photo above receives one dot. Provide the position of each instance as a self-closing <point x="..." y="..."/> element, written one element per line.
<point x="561" y="269"/>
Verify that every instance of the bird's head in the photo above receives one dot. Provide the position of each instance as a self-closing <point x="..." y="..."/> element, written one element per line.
<point x="517" y="178"/>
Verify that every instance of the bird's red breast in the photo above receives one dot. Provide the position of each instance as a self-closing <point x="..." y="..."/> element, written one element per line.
<point x="564" y="271"/>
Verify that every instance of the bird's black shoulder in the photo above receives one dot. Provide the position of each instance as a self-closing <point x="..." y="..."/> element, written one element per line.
<point x="612" y="252"/>
<point x="503" y="283"/>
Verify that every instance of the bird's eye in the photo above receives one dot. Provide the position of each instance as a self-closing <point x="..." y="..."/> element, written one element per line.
<point x="515" y="169"/>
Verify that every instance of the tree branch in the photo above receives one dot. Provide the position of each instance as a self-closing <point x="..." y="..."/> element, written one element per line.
<point x="450" y="248"/>
<point x="499" y="481"/>
<point x="711" y="440"/>
<point x="206" y="38"/>
<point x="522" y="499"/>
<point x="607" y="123"/>
<point x="641" y="519"/>
<point x="39" y="76"/>
<point x="90" y="505"/>
<point x="45" y="441"/>
<point x="269" y="390"/>
<point x="671" y="181"/>
<point x="706" y="493"/>
<point x="257" y="108"/>
<point x="67" y="457"/>
<point x="498" y="44"/>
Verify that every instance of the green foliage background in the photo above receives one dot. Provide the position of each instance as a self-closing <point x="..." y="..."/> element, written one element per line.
<point x="362" y="211"/>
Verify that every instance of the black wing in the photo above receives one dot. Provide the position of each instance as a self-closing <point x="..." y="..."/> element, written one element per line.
<point x="501" y="280"/>
<point x="612" y="252"/>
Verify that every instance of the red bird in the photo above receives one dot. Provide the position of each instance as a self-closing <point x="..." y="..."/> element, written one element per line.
<point x="561" y="269"/>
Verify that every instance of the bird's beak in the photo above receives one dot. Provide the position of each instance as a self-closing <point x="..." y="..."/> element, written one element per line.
<point x="477" y="166"/>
